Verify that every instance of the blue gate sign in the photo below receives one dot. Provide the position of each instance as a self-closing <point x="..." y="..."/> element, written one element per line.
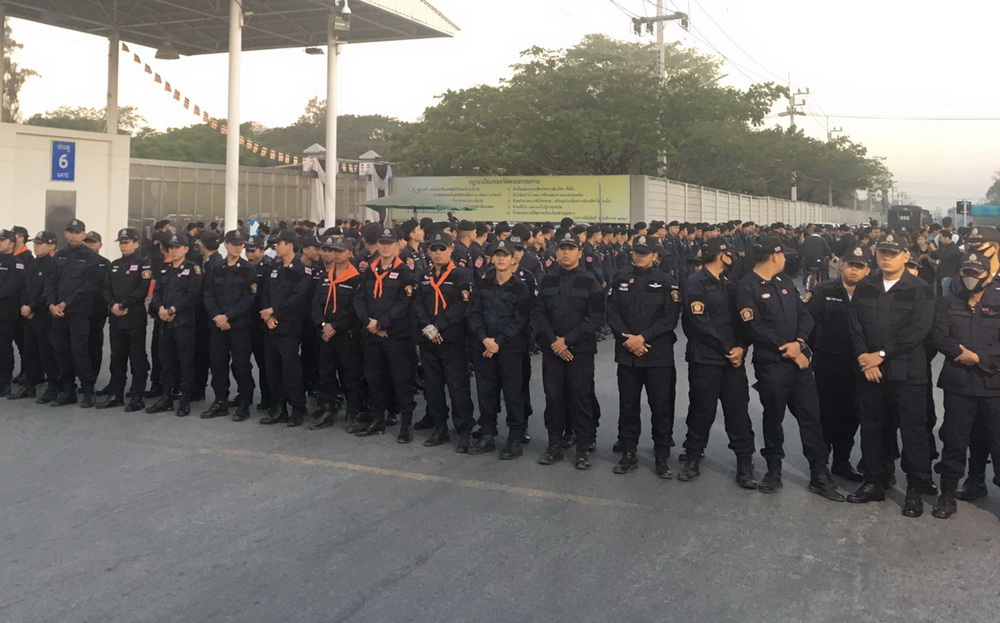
<point x="63" y="161"/>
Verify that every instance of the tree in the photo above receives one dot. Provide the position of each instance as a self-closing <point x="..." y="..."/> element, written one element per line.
<point x="130" y="122"/>
<point x="993" y="192"/>
<point x="14" y="77"/>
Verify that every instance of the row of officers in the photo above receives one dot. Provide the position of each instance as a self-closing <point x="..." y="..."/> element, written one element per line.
<point x="854" y="353"/>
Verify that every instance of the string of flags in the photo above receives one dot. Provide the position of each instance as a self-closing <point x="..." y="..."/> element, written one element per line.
<point x="215" y="124"/>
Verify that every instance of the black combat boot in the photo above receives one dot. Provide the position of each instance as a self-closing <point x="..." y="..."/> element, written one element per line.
<point x="868" y="492"/>
<point x="326" y="418"/>
<point x="771" y="481"/>
<point x="242" y="413"/>
<point x="112" y="401"/>
<point x="438" y="437"/>
<point x="162" y="405"/>
<point x="913" y="506"/>
<point x="218" y="408"/>
<point x="183" y="407"/>
<point x="135" y="403"/>
<point x="50" y="394"/>
<point x="628" y="463"/>
<point x="946" y="505"/>
<point x="690" y="468"/>
<point x="512" y="449"/>
<point x="298" y="416"/>
<point x="375" y="427"/>
<point x="744" y="472"/>
<point x="28" y="391"/>
<point x="973" y="489"/>
<point x="276" y="414"/>
<point x="485" y="443"/>
<point x="821" y="482"/>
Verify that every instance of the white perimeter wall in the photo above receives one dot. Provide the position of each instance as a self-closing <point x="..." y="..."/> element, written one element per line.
<point x="101" y="185"/>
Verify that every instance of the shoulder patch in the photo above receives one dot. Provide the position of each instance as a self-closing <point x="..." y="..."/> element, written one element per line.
<point x="697" y="308"/>
<point x="197" y="269"/>
<point x="409" y="290"/>
<point x="675" y="295"/>
<point x="746" y="314"/>
<point x="253" y="288"/>
<point x="465" y="296"/>
<point x="809" y="296"/>
<point x="147" y="274"/>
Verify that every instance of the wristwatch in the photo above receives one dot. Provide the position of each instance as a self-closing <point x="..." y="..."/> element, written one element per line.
<point x="881" y="354"/>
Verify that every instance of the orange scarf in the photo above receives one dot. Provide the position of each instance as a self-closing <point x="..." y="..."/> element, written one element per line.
<point x="438" y="295"/>
<point x="344" y="276"/>
<point x="377" y="293"/>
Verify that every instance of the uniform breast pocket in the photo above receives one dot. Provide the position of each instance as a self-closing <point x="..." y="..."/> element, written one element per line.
<point x="902" y="313"/>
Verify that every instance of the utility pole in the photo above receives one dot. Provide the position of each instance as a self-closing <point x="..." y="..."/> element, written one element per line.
<point x="662" y="17"/>
<point x="661" y="68"/>
<point x="829" y="139"/>
<point x="791" y="112"/>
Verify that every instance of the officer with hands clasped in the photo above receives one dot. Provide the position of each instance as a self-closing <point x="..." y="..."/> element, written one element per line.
<point x="778" y="324"/>
<point x="124" y="294"/>
<point x="39" y="358"/>
<point x="643" y="310"/>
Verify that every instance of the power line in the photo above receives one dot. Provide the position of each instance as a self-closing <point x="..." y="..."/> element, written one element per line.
<point x="913" y="118"/>
<point x="624" y="10"/>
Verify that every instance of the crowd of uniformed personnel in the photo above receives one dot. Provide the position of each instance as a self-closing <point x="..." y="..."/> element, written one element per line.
<point x="362" y="317"/>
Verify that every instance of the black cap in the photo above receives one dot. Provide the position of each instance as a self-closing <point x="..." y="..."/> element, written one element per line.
<point x="286" y="235"/>
<point x="334" y="244"/>
<point x="568" y="238"/>
<point x="975" y="262"/>
<point x="388" y="234"/>
<point x="979" y="235"/>
<point x="645" y="244"/>
<point x="891" y="244"/>
<point x="46" y="237"/>
<point x="92" y="236"/>
<point x="235" y="236"/>
<point x="715" y="245"/>
<point x="127" y="234"/>
<point x="252" y="243"/>
<point x="502" y="246"/>
<point x="466" y="225"/>
<point x="20" y="231"/>
<point x="178" y="240"/>
<point x="641" y="225"/>
<point x="439" y="239"/>
<point x="76" y="226"/>
<point x="769" y="245"/>
<point x="516" y="241"/>
<point x="308" y="241"/>
<point x="674" y="224"/>
<point x="856" y="255"/>
<point x="7" y="234"/>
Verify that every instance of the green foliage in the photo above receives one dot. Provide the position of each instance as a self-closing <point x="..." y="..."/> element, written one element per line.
<point x="90" y="119"/>
<point x="993" y="192"/>
<point x="14" y="77"/>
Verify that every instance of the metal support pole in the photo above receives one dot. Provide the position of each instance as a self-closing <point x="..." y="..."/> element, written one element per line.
<point x="332" y="52"/>
<point x="661" y="66"/>
<point x="3" y="57"/>
<point x="112" y="110"/>
<point x="233" y="121"/>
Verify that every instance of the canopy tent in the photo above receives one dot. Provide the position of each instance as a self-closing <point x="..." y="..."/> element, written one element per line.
<point x="418" y="202"/>
<point x="194" y="27"/>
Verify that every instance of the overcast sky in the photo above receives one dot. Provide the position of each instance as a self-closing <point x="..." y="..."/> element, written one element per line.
<point x="885" y="60"/>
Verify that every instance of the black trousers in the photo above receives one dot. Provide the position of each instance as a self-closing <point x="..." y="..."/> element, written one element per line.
<point x="881" y="406"/>
<point x="526" y="381"/>
<point x="310" y="357"/>
<point x="96" y="342"/>
<point x="782" y="385"/>
<point x="177" y="350"/>
<point x="446" y="366"/>
<point x="709" y="385"/>
<point x="836" y="384"/>
<point x="154" y="354"/>
<point x="71" y="334"/>
<point x="128" y="345"/>
<point x="258" y="332"/>
<point x="284" y="368"/>
<point x="340" y="358"/>
<point x="963" y="415"/>
<point x="391" y="375"/>
<point x="38" y="358"/>
<point x="232" y="348"/>
<point x="202" y="349"/>
<point x="7" y="351"/>
<point x="20" y="328"/>
<point x="504" y="372"/>
<point x="568" y="388"/>
<point x="661" y="390"/>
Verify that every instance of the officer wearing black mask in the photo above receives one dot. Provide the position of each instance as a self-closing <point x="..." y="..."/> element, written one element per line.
<point x="967" y="331"/>
<point x="891" y="315"/>
<point x="643" y="309"/>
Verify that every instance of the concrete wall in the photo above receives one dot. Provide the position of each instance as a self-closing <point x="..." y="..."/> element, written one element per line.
<point x="666" y="200"/>
<point x="100" y="188"/>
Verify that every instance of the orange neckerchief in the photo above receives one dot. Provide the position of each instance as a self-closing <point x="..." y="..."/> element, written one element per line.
<point x="377" y="293"/>
<point x="24" y="249"/>
<point x="438" y="295"/>
<point x="342" y="277"/>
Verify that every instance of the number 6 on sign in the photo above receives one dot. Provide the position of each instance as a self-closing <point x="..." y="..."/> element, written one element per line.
<point x="63" y="161"/>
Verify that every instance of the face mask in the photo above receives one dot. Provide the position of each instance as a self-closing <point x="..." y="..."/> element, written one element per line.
<point x="974" y="284"/>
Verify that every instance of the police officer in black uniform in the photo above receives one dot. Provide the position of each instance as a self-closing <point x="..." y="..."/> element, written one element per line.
<point x="566" y="315"/>
<point x="891" y="314"/>
<point x="258" y="328"/>
<point x="498" y="322"/>
<point x="39" y="360"/>
<point x="440" y="305"/>
<point x="967" y="331"/>
<point x="716" y="355"/>
<point x="285" y="308"/>
<point x="12" y="272"/>
<point x="124" y="296"/>
<point x="230" y="293"/>
<point x="643" y="309"/>
<point x="384" y="307"/>
<point x="833" y="359"/>
<point x="99" y="319"/>
<point x="340" y="333"/>
<point x="779" y="325"/>
<point x="70" y="291"/>
<point x="175" y="300"/>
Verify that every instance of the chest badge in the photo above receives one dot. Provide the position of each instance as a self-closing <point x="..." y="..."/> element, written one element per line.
<point x="697" y="308"/>
<point x="766" y="295"/>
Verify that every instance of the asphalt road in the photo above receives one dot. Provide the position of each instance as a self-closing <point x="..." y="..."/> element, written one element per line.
<point x="109" y="516"/>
